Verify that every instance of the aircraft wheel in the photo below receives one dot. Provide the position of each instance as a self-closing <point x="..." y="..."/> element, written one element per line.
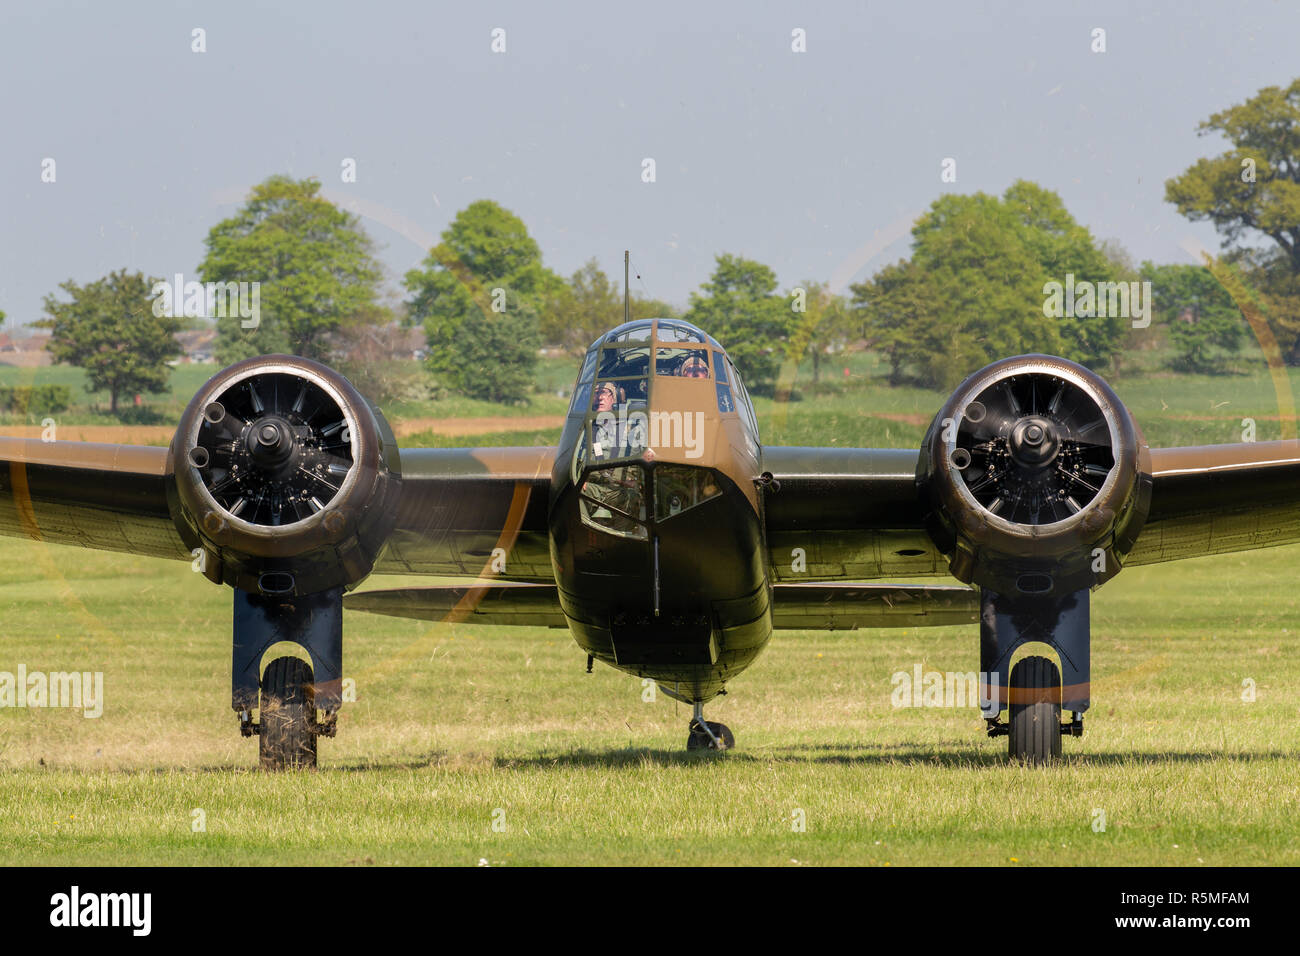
<point x="287" y="740"/>
<point x="699" y="740"/>
<point x="1035" y="711"/>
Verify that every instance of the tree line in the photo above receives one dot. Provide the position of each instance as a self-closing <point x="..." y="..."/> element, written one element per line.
<point x="983" y="280"/>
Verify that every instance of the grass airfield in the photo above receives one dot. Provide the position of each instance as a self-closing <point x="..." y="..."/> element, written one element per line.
<point x="455" y="728"/>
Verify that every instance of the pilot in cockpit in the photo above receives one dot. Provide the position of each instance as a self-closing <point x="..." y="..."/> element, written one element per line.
<point x="615" y="433"/>
<point x="605" y="398"/>
<point x="694" y="367"/>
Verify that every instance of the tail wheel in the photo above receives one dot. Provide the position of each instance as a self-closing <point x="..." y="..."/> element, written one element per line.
<point x="287" y="738"/>
<point x="697" y="739"/>
<point x="1035" y="711"/>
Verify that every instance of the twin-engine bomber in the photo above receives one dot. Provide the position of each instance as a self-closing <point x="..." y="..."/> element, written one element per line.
<point x="660" y="532"/>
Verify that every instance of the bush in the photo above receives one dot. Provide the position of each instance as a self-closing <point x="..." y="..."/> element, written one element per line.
<point x="24" y="399"/>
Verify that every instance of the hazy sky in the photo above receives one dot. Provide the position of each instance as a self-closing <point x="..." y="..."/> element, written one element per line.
<point x="813" y="163"/>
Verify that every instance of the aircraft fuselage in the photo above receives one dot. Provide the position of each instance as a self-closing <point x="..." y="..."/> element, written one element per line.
<point x="656" y="529"/>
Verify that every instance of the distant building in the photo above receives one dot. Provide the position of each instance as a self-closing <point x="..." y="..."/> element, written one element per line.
<point x="414" y="344"/>
<point x="24" y="350"/>
<point x="199" y="346"/>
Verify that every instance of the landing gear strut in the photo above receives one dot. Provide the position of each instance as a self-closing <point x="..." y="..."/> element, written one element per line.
<point x="708" y="735"/>
<point x="1036" y="691"/>
<point x="287" y="664"/>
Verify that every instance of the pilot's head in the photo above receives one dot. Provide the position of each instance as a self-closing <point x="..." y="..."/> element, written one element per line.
<point x="606" y="395"/>
<point x="695" y="367"/>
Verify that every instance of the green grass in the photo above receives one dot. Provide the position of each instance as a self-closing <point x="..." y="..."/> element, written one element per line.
<point x="550" y="396"/>
<point x="91" y="408"/>
<point x="509" y="439"/>
<point x="452" y="723"/>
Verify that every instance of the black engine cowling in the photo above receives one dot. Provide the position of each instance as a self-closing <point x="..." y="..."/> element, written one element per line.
<point x="1037" y="478"/>
<point x="285" y="477"/>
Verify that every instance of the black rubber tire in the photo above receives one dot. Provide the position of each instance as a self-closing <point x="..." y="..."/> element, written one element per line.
<point x="697" y="739"/>
<point x="287" y="740"/>
<point x="1035" y="712"/>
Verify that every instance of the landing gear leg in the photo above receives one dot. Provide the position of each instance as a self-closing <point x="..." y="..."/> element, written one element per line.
<point x="1036" y="691"/>
<point x="708" y="735"/>
<point x="287" y="665"/>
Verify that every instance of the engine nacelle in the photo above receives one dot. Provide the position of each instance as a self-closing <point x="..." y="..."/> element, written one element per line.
<point x="284" y="476"/>
<point x="1037" y="478"/>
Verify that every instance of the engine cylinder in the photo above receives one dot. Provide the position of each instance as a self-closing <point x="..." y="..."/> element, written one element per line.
<point x="1037" y="478"/>
<point x="284" y="477"/>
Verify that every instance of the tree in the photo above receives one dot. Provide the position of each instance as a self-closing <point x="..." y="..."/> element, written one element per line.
<point x="643" y="307"/>
<point x="1253" y="190"/>
<point x="479" y="295"/>
<point x="590" y="304"/>
<point x="1063" y="247"/>
<point x="313" y="264"/>
<point x="1202" y="319"/>
<point x="585" y="307"/>
<point x="823" y="321"/>
<point x="983" y="284"/>
<point x="899" y="312"/>
<point x="973" y="290"/>
<point x="738" y="307"/>
<point x="111" y="330"/>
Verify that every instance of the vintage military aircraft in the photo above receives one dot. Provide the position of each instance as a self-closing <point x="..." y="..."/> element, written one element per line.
<point x="660" y="532"/>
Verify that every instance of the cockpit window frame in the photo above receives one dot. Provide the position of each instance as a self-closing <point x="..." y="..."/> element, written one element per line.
<point x="637" y="388"/>
<point x="669" y="365"/>
<point x="748" y="418"/>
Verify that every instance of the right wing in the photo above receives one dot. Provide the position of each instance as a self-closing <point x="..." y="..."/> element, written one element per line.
<point x="1213" y="499"/>
<point x="846" y="514"/>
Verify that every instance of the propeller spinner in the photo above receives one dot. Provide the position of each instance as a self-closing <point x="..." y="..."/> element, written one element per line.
<point x="1033" y="449"/>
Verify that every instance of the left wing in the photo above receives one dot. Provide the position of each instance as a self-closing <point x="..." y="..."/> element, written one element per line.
<point x="107" y="497"/>
<point x="535" y="605"/>
<point x="464" y="510"/>
<point x="457" y="506"/>
<point x="1214" y="499"/>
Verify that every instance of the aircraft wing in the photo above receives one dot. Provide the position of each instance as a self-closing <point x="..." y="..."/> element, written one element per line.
<point x="457" y="507"/>
<point x="1214" y="499"/>
<point x="536" y="605"/>
<point x="846" y="514"/>
<point x="806" y="607"/>
<point x="107" y="497"/>
<point x="462" y="510"/>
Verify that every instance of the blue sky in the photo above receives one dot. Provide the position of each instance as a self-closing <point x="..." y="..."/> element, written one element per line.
<point x="814" y="163"/>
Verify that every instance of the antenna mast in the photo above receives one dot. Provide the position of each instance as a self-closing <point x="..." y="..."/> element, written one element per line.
<point x="627" y="295"/>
